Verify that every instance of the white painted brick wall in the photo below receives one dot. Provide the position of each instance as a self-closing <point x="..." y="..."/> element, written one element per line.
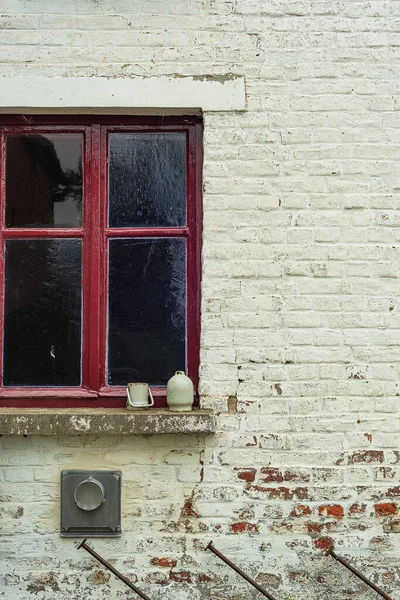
<point x="300" y="325"/>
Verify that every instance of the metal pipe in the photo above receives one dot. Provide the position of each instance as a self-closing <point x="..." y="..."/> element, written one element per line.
<point x="239" y="571"/>
<point x="360" y="575"/>
<point x="113" y="570"/>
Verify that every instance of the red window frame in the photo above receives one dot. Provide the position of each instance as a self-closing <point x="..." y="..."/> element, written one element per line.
<point x="95" y="233"/>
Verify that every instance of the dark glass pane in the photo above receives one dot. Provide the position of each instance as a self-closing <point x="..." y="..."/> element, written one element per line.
<point x="44" y="180"/>
<point x="42" y="321"/>
<point x="147" y="310"/>
<point x="147" y="179"/>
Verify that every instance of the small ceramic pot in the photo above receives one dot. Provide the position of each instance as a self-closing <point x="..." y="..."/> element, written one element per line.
<point x="180" y="393"/>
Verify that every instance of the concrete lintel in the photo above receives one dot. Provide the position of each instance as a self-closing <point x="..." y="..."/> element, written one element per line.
<point x="14" y="421"/>
<point x="85" y="94"/>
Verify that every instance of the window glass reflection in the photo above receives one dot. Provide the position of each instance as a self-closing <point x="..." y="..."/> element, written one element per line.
<point x="44" y="180"/>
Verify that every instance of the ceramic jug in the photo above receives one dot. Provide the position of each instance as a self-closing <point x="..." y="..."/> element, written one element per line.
<point x="180" y="393"/>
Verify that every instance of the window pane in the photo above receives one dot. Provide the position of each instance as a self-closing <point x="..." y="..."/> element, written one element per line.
<point x="44" y="180"/>
<point x="147" y="180"/>
<point x="147" y="310"/>
<point x="42" y="320"/>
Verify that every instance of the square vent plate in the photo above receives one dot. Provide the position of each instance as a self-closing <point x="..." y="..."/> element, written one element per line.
<point x="90" y="503"/>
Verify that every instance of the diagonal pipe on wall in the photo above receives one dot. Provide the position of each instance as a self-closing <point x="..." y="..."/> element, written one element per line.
<point x="359" y="575"/>
<point x="239" y="571"/>
<point x="113" y="570"/>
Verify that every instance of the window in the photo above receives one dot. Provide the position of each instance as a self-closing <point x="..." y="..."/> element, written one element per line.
<point x="100" y="255"/>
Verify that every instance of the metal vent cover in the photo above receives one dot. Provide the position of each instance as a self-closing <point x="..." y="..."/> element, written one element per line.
<point x="90" y="503"/>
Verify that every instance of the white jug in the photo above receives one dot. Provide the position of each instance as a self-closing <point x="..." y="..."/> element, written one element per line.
<point x="180" y="392"/>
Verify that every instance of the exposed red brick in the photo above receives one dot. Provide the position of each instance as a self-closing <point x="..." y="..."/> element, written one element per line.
<point x="366" y="456"/>
<point x="357" y="509"/>
<point x="181" y="576"/>
<point x="284" y="493"/>
<point x="331" y="510"/>
<point x="208" y="578"/>
<point x="394" y="492"/>
<point x="324" y="543"/>
<point x="188" y="511"/>
<point x="385" y="509"/>
<point x="164" y="562"/>
<point x="300" y="510"/>
<point x="243" y="527"/>
<point x="314" y="527"/>
<point x="246" y="474"/>
<point x="296" y="476"/>
<point x="271" y="474"/>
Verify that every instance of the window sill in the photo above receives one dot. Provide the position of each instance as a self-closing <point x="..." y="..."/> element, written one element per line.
<point x="76" y="421"/>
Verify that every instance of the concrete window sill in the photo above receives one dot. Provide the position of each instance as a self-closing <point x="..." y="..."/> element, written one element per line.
<point x="77" y="421"/>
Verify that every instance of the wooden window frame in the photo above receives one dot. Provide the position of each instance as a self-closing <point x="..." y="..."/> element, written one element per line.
<point x="95" y="233"/>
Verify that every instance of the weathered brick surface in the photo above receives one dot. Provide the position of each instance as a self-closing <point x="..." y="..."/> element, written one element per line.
<point x="300" y="310"/>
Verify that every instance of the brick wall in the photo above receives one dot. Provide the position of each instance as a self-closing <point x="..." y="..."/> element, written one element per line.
<point x="300" y="323"/>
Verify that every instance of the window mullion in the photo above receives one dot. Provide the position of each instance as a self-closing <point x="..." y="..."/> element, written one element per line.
<point x="2" y="221"/>
<point x="92" y="262"/>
